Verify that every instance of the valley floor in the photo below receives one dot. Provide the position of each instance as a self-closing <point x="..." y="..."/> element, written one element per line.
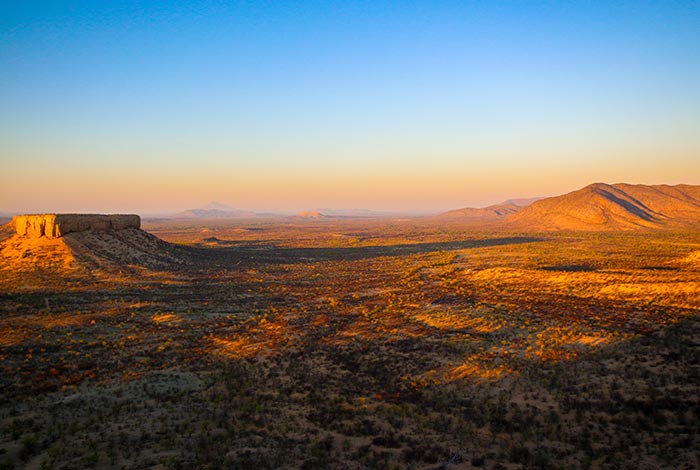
<point x="357" y="344"/>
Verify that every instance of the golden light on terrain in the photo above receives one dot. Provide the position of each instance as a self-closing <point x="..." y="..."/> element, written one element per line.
<point x="377" y="235"/>
<point x="346" y="317"/>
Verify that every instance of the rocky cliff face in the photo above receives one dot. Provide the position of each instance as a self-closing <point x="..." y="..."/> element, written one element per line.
<point x="57" y="225"/>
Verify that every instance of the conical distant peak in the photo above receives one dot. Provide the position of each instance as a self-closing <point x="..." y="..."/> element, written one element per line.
<point x="215" y="205"/>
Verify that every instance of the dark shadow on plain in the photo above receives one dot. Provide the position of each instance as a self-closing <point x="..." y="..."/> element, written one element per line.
<point x="259" y="253"/>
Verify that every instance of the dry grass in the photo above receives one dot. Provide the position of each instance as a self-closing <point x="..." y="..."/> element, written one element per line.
<point x="372" y="333"/>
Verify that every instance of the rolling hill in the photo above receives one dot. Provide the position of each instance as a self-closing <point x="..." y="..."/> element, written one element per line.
<point x="522" y="201"/>
<point x="310" y="215"/>
<point x="489" y="213"/>
<point x="213" y="214"/>
<point x="601" y="206"/>
<point x="214" y="210"/>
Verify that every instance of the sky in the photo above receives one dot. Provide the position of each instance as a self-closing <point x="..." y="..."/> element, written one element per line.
<point x="140" y="106"/>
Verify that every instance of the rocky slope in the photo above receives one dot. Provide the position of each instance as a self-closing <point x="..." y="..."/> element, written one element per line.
<point x="80" y="246"/>
<point x="601" y="206"/>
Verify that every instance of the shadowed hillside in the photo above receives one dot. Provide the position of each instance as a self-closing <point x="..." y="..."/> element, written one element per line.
<point x="602" y="206"/>
<point x="680" y="202"/>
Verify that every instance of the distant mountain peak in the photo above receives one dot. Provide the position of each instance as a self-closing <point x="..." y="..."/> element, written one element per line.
<point x="214" y="205"/>
<point x="490" y="213"/>
<point x="522" y="201"/>
<point x="214" y="210"/>
<point x="310" y="215"/>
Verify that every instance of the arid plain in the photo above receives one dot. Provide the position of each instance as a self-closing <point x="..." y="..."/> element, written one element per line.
<point x="351" y="343"/>
<point x="453" y="235"/>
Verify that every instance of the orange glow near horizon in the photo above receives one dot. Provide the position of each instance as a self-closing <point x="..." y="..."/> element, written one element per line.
<point x="379" y="187"/>
<point x="387" y="110"/>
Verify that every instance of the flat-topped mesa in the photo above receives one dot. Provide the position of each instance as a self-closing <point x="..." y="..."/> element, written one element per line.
<point x="57" y="225"/>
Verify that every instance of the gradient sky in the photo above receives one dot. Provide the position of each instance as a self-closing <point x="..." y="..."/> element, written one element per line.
<point x="159" y="106"/>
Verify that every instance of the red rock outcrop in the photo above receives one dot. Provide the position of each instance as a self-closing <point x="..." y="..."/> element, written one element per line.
<point x="57" y="225"/>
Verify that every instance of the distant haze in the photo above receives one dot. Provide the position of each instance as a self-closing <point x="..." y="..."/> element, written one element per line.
<point x="414" y="107"/>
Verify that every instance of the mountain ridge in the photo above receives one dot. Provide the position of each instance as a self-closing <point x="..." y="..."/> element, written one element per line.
<point x="213" y="214"/>
<point x="490" y="213"/>
<point x="620" y="206"/>
<point x="494" y="212"/>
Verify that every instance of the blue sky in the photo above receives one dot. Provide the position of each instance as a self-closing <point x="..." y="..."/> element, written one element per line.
<point x="147" y="106"/>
